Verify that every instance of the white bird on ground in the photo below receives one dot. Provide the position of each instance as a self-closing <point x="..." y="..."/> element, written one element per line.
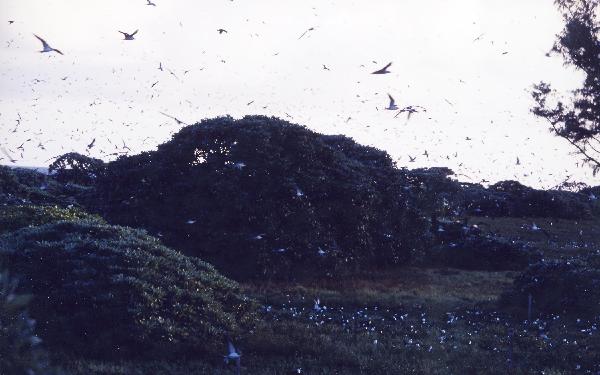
<point x="233" y="355"/>
<point x="46" y="46"/>
<point x="317" y="307"/>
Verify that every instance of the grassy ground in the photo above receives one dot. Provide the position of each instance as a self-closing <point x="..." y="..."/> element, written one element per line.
<point x="406" y="321"/>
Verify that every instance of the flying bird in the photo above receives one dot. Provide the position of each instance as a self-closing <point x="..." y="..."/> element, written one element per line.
<point x="12" y="160"/>
<point x="221" y="31"/>
<point x="150" y="3"/>
<point x="91" y="144"/>
<point x="478" y="37"/>
<point x="410" y="110"/>
<point x="11" y="22"/>
<point x="392" y="106"/>
<point x="178" y="121"/>
<point x="412" y="159"/>
<point x="46" y="46"/>
<point x="383" y="70"/>
<point x="127" y="36"/>
<point x="304" y="33"/>
<point x="160" y="66"/>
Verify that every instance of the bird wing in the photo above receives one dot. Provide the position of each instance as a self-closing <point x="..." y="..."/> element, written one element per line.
<point x="135" y="32"/>
<point x="392" y="101"/>
<point x="387" y="66"/>
<point x="57" y="51"/>
<point x="230" y="347"/>
<point x="5" y="153"/>
<point x="169" y="116"/>
<point x="46" y="45"/>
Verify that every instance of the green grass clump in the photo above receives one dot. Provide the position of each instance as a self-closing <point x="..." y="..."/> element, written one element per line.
<point x="21" y="216"/>
<point x="110" y="291"/>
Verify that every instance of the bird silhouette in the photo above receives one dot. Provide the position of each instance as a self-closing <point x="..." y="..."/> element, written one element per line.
<point x="392" y="106"/>
<point x="410" y="110"/>
<point x="91" y="143"/>
<point x="304" y="33"/>
<point x="150" y="3"/>
<point x="127" y="36"/>
<point x="47" y="47"/>
<point x="178" y="121"/>
<point x="221" y="31"/>
<point x="383" y="70"/>
<point x="12" y="160"/>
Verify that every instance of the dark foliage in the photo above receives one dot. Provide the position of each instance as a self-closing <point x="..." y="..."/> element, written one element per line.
<point x="558" y="287"/>
<point x="511" y="198"/>
<point x="19" y="346"/>
<point x="447" y="197"/>
<point x="438" y="193"/>
<point x="109" y="291"/>
<point x="262" y="196"/>
<point x="76" y="168"/>
<point x="473" y="252"/>
<point x="26" y="186"/>
<point x="578" y="120"/>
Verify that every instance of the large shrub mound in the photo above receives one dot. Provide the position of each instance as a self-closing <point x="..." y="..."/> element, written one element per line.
<point x="262" y="196"/>
<point x="104" y="290"/>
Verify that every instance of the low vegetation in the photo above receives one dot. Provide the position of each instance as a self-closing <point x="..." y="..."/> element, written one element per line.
<point x="108" y="291"/>
<point x="19" y="345"/>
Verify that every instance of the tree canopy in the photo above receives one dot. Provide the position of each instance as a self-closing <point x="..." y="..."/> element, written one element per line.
<point x="577" y="117"/>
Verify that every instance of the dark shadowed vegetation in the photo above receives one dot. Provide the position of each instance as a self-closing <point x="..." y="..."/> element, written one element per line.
<point x="266" y="197"/>
<point x="108" y="291"/>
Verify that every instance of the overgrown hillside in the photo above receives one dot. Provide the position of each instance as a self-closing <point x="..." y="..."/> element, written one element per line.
<point x="347" y="264"/>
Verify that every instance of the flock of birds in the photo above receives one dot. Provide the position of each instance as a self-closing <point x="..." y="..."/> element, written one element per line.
<point x="409" y="110"/>
<point x="414" y="328"/>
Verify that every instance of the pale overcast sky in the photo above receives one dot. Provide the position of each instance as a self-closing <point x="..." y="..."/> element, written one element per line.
<point x="101" y="87"/>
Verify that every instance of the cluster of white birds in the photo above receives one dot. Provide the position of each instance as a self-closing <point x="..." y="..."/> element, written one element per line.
<point x="417" y="330"/>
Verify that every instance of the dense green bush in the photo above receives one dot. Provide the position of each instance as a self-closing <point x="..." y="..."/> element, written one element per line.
<point x="16" y="217"/>
<point x="262" y="196"/>
<point x="28" y="186"/>
<point x="19" y="346"/>
<point x="76" y="168"/>
<point x="102" y="290"/>
<point x="558" y="287"/>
